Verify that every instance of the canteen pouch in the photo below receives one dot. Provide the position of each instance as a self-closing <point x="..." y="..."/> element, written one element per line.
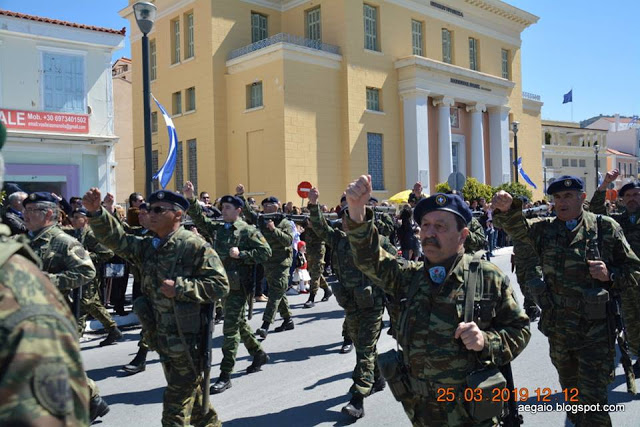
<point x="595" y="303"/>
<point x="363" y="296"/>
<point x="487" y="380"/>
<point x="538" y="290"/>
<point x="395" y="374"/>
<point x="188" y="317"/>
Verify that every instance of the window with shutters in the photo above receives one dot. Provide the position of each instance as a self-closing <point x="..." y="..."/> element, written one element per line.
<point x="446" y="46"/>
<point x="153" y="68"/>
<point x="154" y="122"/>
<point x="193" y="162"/>
<point x="155" y="186"/>
<point x="373" y="99"/>
<point x="416" y="37"/>
<point x="179" y="167"/>
<point x="506" y="69"/>
<point x="565" y="162"/>
<point x="548" y="162"/>
<point x="574" y="163"/>
<point x="175" y="41"/>
<point x="63" y="83"/>
<point x="371" y="28"/>
<point x="313" y="26"/>
<point x="375" y="163"/>
<point x="583" y="163"/>
<point x="189" y="46"/>
<point x="259" y="30"/>
<point x="177" y="103"/>
<point x="473" y="53"/>
<point x="254" y="95"/>
<point x="190" y="94"/>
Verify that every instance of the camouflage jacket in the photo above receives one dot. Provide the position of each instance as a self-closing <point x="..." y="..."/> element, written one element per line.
<point x="279" y="241"/>
<point x="342" y="258"/>
<point x="64" y="259"/>
<point x="563" y="253"/>
<point x="476" y="239"/>
<point x="252" y="245"/>
<point x="97" y="251"/>
<point x="315" y="245"/>
<point x="431" y="351"/>
<point x="43" y="380"/>
<point x="630" y="223"/>
<point x="182" y="256"/>
<point x="385" y="224"/>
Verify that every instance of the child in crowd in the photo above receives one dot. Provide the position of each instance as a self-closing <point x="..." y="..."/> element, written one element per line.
<point x="301" y="274"/>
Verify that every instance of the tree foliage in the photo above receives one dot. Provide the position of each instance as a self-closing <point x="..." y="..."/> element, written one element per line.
<point x="515" y="189"/>
<point x="472" y="189"/>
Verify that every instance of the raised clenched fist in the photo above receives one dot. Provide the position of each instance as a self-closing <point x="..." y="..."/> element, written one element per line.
<point x="91" y="200"/>
<point x="502" y="201"/>
<point x="313" y="195"/>
<point x="187" y="190"/>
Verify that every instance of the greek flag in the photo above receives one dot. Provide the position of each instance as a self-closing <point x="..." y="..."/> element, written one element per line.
<point x="523" y="174"/>
<point x="634" y="120"/>
<point x="166" y="171"/>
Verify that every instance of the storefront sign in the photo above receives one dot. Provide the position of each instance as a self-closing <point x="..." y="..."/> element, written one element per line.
<point x="44" y="121"/>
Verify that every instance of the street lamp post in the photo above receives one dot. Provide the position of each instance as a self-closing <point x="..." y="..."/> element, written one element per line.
<point x="145" y="14"/>
<point x="545" y="179"/>
<point x="596" y="147"/>
<point x="514" y="127"/>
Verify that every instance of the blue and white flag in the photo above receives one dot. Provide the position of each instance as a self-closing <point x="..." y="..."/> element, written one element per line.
<point x="166" y="171"/>
<point x="523" y="174"/>
<point x="568" y="97"/>
<point x="634" y="120"/>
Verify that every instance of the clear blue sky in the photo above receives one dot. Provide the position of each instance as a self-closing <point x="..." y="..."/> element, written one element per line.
<point x="589" y="46"/>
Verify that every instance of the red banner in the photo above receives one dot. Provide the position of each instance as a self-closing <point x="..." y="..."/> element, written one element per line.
<point x="44" y="121"/>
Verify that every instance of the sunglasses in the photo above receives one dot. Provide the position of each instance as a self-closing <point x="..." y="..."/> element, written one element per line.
<point x="160" y="209"/>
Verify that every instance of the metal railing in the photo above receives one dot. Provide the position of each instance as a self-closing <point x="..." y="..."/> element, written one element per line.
<point x="284" y="38"/>
<point x="531" y="96"/>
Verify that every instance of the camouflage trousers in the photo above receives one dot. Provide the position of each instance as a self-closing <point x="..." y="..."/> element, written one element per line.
<point x="183" y="399"/>
<point x="91" y="304"/>
<point x="278" y="281"/>
<point x="528" y="300"/>
<point x="427" y="411"/>
<point x="142" y="308"/>
<point x="588" y="368"/>
<point x="236" y="328"/>
<point x="316" y="268"/>
<point x="631" y="312"/>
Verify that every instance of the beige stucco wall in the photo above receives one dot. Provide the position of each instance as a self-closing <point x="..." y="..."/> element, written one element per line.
<point x="122" y="111"/>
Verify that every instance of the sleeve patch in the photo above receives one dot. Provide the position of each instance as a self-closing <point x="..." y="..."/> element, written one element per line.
<point x="52" y="389"/>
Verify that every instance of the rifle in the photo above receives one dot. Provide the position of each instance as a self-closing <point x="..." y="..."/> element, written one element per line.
<point x="206" y="315"/>
<point x="539" y="210"/>
<point x="615" y="320"/>
<point x="276" y="217"/>
<point x="512" y="418"/>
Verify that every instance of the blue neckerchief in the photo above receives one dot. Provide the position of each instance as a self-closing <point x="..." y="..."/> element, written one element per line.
<point x="571" y="224"/>
<point x="227" y="225"/>
<point x="632" y="218"/>
<point x="156" y="242"/>
<point x="438" y="274"/>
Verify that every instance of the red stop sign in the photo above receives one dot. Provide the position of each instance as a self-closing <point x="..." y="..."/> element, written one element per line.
<point x="303" y="189"/>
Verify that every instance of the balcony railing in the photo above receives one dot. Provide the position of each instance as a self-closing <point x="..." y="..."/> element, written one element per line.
<point x="531" y="96"/>
<point x="285" y="38"/>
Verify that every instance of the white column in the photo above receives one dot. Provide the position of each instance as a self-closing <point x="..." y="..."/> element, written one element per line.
<point x="416" y="137"/>
<point x="477" y="142"/>
<point x="499" y="143"/>
<point x="445" y="163"/>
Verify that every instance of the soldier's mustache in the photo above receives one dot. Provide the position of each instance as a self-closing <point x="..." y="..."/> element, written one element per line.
<point x="431" y="241"/>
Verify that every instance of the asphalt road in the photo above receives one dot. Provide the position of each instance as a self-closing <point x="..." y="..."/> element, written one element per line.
<point x="307" y="381"/>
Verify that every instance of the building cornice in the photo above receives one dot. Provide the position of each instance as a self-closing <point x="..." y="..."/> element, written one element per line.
<point x="532" y="105"/>
<point x="284" y="51"/>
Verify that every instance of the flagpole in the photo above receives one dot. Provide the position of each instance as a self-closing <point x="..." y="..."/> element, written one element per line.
<point x="572" y="104"/>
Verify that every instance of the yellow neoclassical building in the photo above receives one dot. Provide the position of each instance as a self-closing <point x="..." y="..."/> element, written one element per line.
<point x="270" y="93"/>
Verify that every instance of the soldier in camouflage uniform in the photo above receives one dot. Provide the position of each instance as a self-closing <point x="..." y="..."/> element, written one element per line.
<point x="316" y="251"/>
<point x="182" y="272"/>
<point x="42" y="381"/>
<point x="240" y="246"/>
<point x="629" y="220"/>
<point x="64" y="260"/>
<point x="578" y="280"/>
<point x="363" y="305"/>
<point x="439" y="349"/>
<point x="90" y="302"/>
<point x="276" y="268"/>
<point x="384" y="223"/>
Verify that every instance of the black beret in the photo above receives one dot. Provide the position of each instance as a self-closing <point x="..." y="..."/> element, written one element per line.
<point x="169" y="197"/>
<point x="81" y="211"/>
<point x="11" y="187"/>
<point x="373" y="199"/>
<point x="628" y="186"/>
<point x="443" y="202"/>
<point x="565" y="183"/>
<point x="235" y="201"/>
<point x="39" y="197"/>
<point x="270" y="199"/>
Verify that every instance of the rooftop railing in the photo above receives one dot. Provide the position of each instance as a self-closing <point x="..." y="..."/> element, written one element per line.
<point x="531" y="96"/>
<point x="285" y="38"/>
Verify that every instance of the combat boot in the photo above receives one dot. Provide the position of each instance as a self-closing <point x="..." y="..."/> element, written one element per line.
<point x="263" y="330"/>
<point x="347" y="345"/>
<point x="114" y="335"/>
<point x="355" y="407"/>
<point x="287" y="325"/>
<point x="97" y="408"/>
<point x="327" y="294"/>
<point x="223" y="383"/>
<point x="533" y="312"/>
<point x="138" y="364"/>
<point x="636" y="368"/>
<point x="259" y="359"/>
<point x="311" y="301"/>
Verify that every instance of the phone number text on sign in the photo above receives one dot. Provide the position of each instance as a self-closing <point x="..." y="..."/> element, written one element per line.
<point x="44" y="121"/>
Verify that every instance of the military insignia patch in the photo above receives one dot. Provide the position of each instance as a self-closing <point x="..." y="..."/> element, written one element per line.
<point x="438" y="274"/>
<point x="160" y="195"/>
<point x="567" y="183"/>
<point x="52" y="389"/>
<point x="80" y="252"/>
<point x="441" y="200"/>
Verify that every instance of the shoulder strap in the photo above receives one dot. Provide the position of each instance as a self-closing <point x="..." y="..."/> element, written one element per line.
<point x="474" y="275"/>
<point x="599" y="233"/>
